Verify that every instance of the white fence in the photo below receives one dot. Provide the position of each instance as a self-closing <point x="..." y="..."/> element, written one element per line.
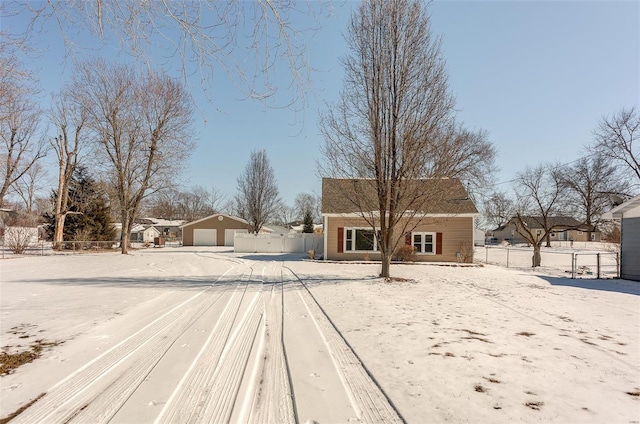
<point x="279" y="243"/>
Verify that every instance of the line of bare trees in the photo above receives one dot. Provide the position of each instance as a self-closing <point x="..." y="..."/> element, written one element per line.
<point x="584" y="189"/>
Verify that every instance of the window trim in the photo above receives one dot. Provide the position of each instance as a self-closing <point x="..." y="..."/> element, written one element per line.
<point x="434" y="241"/>
<point x="347" y="231"/>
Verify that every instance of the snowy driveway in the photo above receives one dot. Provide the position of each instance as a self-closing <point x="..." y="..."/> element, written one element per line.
<point x="251" y="346"/>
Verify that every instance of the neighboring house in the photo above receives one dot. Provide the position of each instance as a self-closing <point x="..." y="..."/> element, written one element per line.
<point x="168" y="228"/>
<point x="317" y="228"/>
<point x="214" y="230"/>
<point x="565" y="228"/>
<point x="146" y="235"/>
<point x="443" y="233"/>
<point x="275" y="229"/>
<point x="629" y="215"/>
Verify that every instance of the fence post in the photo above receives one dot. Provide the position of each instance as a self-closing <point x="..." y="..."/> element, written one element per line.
<point x="573" y="266"/>
<point x="598" y="263"/>
<point x="507" y="257"/>
<point x="617" y="264"/>
<point x="486" y="254"/>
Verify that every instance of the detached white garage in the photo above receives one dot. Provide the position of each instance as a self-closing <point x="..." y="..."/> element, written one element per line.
<point x="214" y="230"/>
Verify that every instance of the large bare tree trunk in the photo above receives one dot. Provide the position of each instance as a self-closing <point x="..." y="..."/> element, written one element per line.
<point x="537" y="258"/>
<point x="386" y="266"/>
<point x="125" y="237"/>
<point x="69" y="117"/>
<point x="58" y="236"/>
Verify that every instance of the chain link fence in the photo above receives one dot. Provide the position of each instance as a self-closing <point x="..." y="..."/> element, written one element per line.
<point x="554" y="261"/>
<point x="42" y="248"/>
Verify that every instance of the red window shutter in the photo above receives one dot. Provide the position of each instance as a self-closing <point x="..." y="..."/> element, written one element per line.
<point x="438" y="243"/>
<point x="407" y="239"/>
<point x="340" y="239"/>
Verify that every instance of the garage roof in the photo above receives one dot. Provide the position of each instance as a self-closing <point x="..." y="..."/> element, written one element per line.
<point x="235" y="218"/>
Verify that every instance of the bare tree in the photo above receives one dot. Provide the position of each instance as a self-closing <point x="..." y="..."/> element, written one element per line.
<point x="498" y="209"/>
<point x="464" y="154"/>
<point x="307" y="203"/>
<point x="540" y="195"/>
<point x="257" y="198"/>
<point x="590" y="181"/>
<point x="163" y="204"/>
<point x="21" y="145"/>
<point x="141" y="125"/>
<point x="209" y="37"/>
<point x="195" y="203"/>
<point x="199" y="202"/>
<point x="286" y="215"/>
<point x="29" y="185"/>
<point x="394" y="121"/>
<point x="69" y="118"/>
<point x="618" y="139"/>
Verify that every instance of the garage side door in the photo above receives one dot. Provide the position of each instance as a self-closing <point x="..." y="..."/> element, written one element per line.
<point x="229" y="235"/>
<point x="205" y="237"/>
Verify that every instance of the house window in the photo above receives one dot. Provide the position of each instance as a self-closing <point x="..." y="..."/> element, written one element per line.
<point x="360" y="239"/>
<point x="593" y="236"/>
<point x="538" y="232"/>
<point x="424" y="242"/>
<point x="579" y="233"/>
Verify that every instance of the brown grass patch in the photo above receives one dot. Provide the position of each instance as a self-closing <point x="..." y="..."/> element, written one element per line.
<point x="492" y="380"/>
<point x="525" y="333"/>
<point x="399" y="280"/>
<point x="633" y="393"/>
<point x="23" y="408"/>
<point x="10" y="361"/>
<point x="534" y="405"/>
<point x="480" y="389"/>
<point x="477" y="338"/>
<point x="473" y="333"/>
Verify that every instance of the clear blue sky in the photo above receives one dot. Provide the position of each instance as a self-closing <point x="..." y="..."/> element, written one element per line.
<point x="537" y="75"/>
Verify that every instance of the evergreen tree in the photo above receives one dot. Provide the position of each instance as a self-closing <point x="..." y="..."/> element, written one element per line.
<point x="89" y="217"/>
<point x="308" y="222"/>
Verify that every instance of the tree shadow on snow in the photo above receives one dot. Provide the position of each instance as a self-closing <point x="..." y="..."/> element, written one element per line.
<point x="618" y="286"/>
<point x="179" y="283"/>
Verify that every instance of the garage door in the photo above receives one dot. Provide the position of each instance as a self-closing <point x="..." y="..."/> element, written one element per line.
<point x="230" y="234"/>
<point x="205" y="237"/>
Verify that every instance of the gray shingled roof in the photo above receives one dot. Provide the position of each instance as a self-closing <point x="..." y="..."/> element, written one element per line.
<point x="434" y="196"/>
<point x="554" y="221"/>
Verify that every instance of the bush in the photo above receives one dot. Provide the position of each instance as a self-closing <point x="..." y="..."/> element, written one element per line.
<point x="406" y="253"/>
<point x="18" y="239"/>
<point x="466" y="252"/>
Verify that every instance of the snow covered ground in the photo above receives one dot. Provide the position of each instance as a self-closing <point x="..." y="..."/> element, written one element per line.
<point x="190" y="334"/>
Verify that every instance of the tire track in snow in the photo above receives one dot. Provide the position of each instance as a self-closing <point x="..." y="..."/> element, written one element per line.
<point x="366" y="396"/>
<point x="113" y="375"/>
<point x="273" y="398"/>
<point x="191" y="394"/>
<point x="228" y="376"/>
